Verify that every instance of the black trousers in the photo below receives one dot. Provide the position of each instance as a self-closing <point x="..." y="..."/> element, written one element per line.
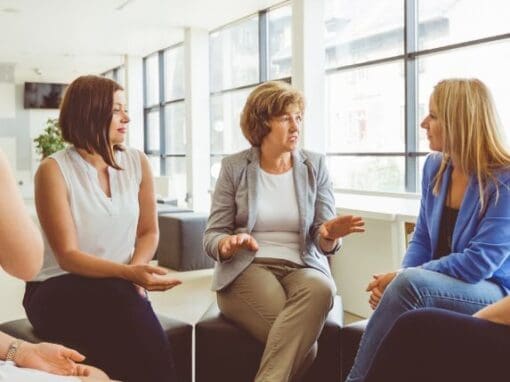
<point x="105" y="319"/>
<point x="439" y="345"/>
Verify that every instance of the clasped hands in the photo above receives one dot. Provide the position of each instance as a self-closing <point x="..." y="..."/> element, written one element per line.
<point x="377" y="287"/>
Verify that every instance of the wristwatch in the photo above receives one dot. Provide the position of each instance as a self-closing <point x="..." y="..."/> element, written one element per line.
<point x="12" y="350"/>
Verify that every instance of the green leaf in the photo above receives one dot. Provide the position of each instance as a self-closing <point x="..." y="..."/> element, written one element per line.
<point x="50" y="141"/>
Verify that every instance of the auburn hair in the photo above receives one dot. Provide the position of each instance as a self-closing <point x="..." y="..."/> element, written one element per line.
<point x="86" y="113"/>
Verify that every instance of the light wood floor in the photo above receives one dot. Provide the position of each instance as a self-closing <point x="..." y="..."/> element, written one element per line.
<point x="186" y="302"/>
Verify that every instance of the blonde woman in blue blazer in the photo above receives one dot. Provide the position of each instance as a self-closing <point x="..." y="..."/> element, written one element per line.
<point x="458" y="259"/>
<point x="272" y="226"/>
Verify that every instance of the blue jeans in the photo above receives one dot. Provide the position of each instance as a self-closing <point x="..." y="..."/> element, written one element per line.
<point x="416" y="288"/>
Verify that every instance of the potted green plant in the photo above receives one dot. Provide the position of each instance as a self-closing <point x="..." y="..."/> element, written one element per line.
<point x="50" y="141"/>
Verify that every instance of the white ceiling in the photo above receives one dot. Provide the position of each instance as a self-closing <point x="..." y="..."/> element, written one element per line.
<point x="61" y="39"/>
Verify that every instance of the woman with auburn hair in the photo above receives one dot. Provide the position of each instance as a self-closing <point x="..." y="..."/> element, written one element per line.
<point x="272" y="226"/>
<point x="96" y="205"/>
<point x="458" y="258"/>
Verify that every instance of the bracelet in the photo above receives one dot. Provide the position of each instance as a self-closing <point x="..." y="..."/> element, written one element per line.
<point x="12" y="350"/>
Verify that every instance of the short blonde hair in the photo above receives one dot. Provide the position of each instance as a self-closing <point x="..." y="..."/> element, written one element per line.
<point x="268" y="100"/>
<point x="472" y="132"/>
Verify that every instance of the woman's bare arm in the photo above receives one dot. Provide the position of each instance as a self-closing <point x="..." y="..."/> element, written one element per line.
<point x="21" y="246"/>
<point x="499" y="312"/>
<point x="57" y="222"/>
<point x="147" y="233"/>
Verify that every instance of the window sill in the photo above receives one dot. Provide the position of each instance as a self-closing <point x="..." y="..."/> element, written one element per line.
<point x="387" y="208"/>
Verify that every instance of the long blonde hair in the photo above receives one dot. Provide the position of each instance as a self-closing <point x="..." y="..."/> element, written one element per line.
<point x="472" y="132"/>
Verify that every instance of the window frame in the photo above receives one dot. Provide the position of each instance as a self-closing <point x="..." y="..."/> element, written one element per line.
<point x="409" y="58"/>
<point x="160" y="108"/>
<point x="115" y="74"/>
<point x="263" y="59"/>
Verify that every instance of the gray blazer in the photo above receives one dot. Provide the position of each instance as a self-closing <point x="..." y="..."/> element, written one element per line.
<point x="234" y="209"/>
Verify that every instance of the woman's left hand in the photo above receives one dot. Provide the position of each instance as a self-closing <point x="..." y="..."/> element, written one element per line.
<point x="341" y="226"/>
<point x="52" y="358"/>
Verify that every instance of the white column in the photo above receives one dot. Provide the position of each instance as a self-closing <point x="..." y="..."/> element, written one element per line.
<point x="7" y="91"/>
<point x="196" y="64"/>
<point x="134" y="97"/>
<point x="308" y="64"/>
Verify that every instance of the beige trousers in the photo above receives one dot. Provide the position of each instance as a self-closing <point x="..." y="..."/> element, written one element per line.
<point x="283" y="305"/>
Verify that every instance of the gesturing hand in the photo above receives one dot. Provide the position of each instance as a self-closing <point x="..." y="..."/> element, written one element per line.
<point x="229" y="245"/>
<point x="51" y="358"/>
<point x="341" y="226"/>
<point x="377" y="287"/>
<point x="150" y="277"/>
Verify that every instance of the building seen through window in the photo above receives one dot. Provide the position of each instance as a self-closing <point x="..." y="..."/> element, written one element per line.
<point x="373" y="134"/>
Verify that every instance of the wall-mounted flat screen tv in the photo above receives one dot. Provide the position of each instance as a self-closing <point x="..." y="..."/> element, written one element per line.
<point x="43" y="95"/>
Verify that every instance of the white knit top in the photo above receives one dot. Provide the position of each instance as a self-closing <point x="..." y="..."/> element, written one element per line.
<point x="276" y="227"/>
<point x="105" y="226"/>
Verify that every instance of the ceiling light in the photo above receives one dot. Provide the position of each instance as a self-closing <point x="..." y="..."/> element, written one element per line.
<point x="122" y="5"/>
<point x="9" y="10"/>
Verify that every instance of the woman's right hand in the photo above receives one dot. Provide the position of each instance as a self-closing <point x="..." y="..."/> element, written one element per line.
<point x="229" y="245"/>
<point x="149" y="277"/>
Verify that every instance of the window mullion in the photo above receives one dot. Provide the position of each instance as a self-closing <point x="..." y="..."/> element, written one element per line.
<point x="411" y="95"/>
<point x="162" y="130"/>
<point x="145" y="112"/>
<point x="263" y="46"/>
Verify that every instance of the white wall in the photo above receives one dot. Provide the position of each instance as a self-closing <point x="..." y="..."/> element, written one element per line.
<point x="361" y="256"/>
<point x="134" y="93"/>
<point x="379" y="249"/>
<point x="196" y="61"/>
<point x="24" y="126"/>
<point x="308" y="65"/>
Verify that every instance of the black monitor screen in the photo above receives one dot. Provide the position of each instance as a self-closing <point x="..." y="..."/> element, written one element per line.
<point x="43" y="96"/>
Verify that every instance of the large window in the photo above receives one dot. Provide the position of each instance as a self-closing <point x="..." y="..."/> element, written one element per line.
<point x="242" y="55"/>
<point x="117" y="74"/>
<point x="383" y="58"/>
<point x="165" y="126"/>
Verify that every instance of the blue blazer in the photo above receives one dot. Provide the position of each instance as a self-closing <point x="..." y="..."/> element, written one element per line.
<point x="234" y="209"/>
<point x="480" y="241"/>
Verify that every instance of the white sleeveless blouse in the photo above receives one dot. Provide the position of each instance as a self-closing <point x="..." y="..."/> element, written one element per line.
<point x="105" y="227"/>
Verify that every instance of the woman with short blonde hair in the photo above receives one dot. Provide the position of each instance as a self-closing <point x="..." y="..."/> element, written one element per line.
<point x="272" y="226"/>
<point x="265" y="101"/>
